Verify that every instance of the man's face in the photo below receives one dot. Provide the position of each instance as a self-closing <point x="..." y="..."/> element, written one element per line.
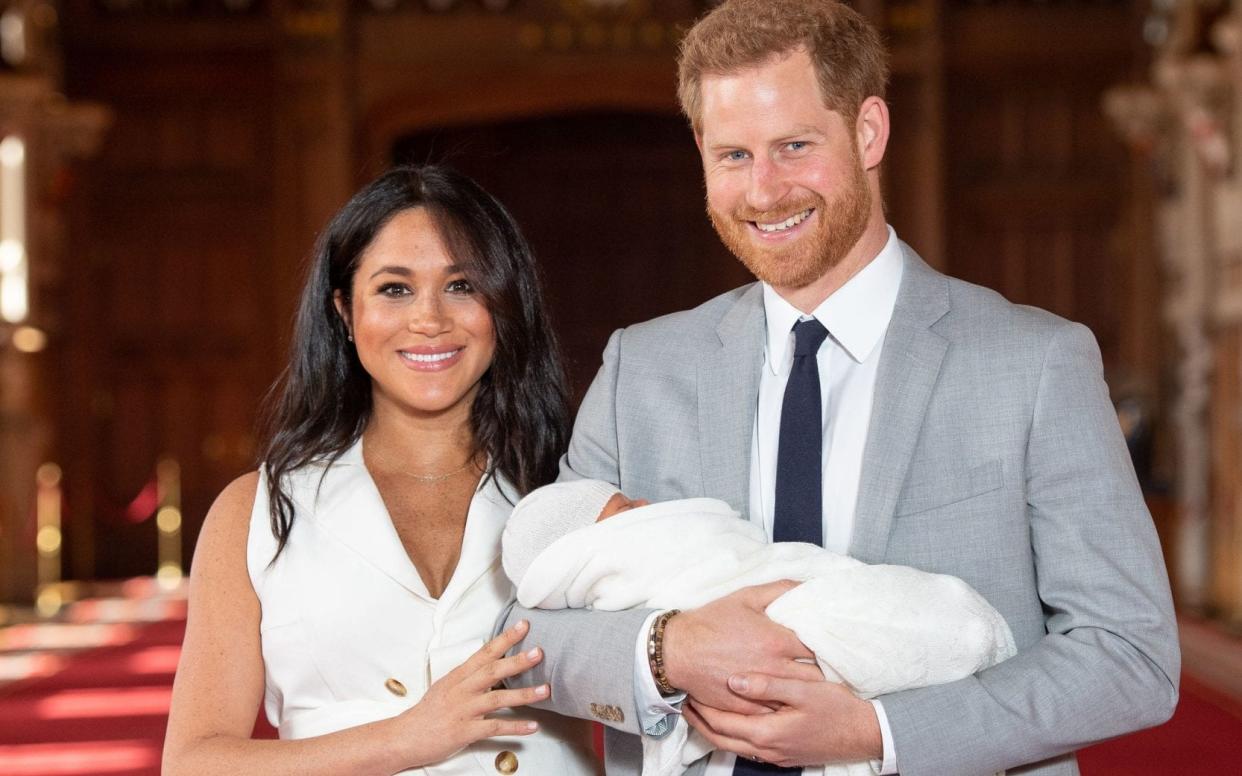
<point x="786" y="189"/>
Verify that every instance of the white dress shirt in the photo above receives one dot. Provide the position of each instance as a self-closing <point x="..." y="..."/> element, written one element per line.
<point x="857" y="317"/>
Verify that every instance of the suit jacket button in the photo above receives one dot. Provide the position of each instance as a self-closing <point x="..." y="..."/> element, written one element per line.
<point x="506" y="762"/>
<point x="395" y="687"/>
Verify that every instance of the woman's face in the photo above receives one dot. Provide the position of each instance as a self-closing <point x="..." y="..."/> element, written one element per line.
<point x="421" y="330"/>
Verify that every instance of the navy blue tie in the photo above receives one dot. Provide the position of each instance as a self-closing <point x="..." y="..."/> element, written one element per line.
<point x="799" y="470"/>
<point x="799" y="454"/>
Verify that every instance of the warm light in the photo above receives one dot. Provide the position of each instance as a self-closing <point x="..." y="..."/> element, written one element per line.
<point x="101" y="702"/>
<point x="49" y="601"/>
<point x="29" y="665"/>
<point x="14" y="302"/>
<point x="12" y="254"/>
<point x="61" y="637"/>
<point x="48" y="475"/>
<point x="66" y="758"/>
<point x="12" y="151"/>
<point x="48" y="540"/>
<point x="154" y="660"/>
<point x="48" y="537"/>
<point x="28" y="339"/>
<point x="168" y="519"/>
<point x="13" y="37"/>
<point x="14" y="266"/>
<point x="169" y="576"/>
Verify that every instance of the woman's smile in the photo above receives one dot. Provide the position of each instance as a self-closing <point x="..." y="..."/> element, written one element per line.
<point x="430" y="359"/>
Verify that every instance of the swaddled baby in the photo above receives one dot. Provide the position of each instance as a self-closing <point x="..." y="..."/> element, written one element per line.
<point x="877" y="629"/>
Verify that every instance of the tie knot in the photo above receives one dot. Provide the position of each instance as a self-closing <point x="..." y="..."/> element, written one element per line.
<point x="808" y="336"/>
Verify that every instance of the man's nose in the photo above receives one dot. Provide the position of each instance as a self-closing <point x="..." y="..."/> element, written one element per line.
<point x="767" y="185"/>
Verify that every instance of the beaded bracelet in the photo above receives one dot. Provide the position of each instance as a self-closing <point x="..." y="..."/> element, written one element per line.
<point x="655" y="652"/>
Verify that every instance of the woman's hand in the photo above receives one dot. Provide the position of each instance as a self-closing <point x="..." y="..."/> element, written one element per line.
<point x="453" y="713"/>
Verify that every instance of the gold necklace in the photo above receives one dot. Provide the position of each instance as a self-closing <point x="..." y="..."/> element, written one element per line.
<point x="425" y="477"/>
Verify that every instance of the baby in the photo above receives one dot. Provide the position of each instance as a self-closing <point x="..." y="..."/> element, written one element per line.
<point x="877" y="629"/>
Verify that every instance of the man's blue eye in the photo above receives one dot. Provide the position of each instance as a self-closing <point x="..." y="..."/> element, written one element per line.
<point x="797" y="145"/>
<point x="736" y="156"/>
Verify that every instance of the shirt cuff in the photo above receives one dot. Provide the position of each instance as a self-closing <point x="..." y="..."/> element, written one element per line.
<point x="888" y="766"/>
<point x="656" y="713"/>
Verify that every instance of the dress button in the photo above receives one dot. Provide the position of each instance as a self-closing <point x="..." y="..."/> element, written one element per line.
<point x="395" y="687"/>
<point x="506" y="762"/>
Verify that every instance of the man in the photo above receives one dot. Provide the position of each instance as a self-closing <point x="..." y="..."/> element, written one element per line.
<point x="858" y="399"/>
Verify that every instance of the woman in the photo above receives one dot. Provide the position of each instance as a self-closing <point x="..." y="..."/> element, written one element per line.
<point x="352" y="581"/>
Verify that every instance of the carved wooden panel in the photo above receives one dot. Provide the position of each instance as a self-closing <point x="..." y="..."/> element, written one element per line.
<point x="1035" y="175"/>
<point x="170" y="323"/>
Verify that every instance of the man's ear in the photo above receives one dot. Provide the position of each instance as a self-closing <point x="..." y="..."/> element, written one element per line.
<point x="342" y="309"/>
<point x="872" y="130"/>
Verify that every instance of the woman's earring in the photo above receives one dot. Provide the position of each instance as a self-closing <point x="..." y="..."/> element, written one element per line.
<point x="349" y="337"/>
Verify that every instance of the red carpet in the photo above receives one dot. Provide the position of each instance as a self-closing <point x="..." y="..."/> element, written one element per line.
<point x="102" y="710"/>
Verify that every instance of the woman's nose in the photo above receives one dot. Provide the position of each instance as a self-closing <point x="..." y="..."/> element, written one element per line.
<point x="427" y="316"/>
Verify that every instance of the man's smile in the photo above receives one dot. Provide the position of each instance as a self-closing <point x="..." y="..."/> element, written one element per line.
<point x="785" y="225"/>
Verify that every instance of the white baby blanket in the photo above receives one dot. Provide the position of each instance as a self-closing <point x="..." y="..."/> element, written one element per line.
<point x="877" y="629"/>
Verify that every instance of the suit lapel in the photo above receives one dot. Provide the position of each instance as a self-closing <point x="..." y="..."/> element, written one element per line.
<point x="909" y="365"/>
<point x="728" y="387"/>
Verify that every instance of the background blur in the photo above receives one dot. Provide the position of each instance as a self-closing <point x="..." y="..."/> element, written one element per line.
<point x="165" y="166"/>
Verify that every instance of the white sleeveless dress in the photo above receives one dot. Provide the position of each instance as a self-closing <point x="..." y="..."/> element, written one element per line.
<point x="347" y="623"/>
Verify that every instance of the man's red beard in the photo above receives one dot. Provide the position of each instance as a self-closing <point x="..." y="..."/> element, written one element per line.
<point x="837" y="228"/>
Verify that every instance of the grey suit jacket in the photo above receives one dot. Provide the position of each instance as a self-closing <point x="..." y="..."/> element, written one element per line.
<point x="993" y="455"/>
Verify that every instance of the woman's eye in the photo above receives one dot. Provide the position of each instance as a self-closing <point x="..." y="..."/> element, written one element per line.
<point x="459" y="286"/>
<point x="394" y="289"/>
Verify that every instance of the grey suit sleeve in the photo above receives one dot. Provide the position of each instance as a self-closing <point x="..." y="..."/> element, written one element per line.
<point x="588" y="655"/>
<point x="1110" y="661"/>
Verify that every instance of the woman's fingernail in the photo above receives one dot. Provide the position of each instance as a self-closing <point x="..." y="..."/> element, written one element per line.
<point x="541" y="691"/>
<point x="739" y="683"/>
<point x="521" y="626"/>
<point x="532" y="654"/>
<point x="532" y="726"/>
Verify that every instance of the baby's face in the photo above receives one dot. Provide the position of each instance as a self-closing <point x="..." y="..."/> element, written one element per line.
<point x="620" y="503"/>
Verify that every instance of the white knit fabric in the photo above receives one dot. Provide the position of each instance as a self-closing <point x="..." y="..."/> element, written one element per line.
<point x="548" y="513"/>
<point x="877" y="629"/>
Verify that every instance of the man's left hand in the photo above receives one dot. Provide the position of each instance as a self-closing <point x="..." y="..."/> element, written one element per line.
<point x="812" y="723"/>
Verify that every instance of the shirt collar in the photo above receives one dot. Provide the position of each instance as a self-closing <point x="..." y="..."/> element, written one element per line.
<point x="856" y="315"/>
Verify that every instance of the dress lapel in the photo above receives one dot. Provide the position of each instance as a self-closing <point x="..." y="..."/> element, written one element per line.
<point x="349" y="508"/>
<point x="480" y="547"/>
<point x="728" y="388"/>
<point x="909" y="365"/>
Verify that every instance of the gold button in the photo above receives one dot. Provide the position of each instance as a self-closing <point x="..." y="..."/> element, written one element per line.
<point x="506" y="762"/>
<point x="395" y="687"/>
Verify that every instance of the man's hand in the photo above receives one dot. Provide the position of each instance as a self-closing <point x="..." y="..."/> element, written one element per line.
<point x="703" y="647"/>
<point x="815" y="723"/>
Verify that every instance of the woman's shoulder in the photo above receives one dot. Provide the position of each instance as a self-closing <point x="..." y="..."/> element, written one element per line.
<point x="227" y="524"/>
<point x="236" y="501"/>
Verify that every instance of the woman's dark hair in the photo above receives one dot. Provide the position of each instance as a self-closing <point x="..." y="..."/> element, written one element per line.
<point x="321" y="404"/>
